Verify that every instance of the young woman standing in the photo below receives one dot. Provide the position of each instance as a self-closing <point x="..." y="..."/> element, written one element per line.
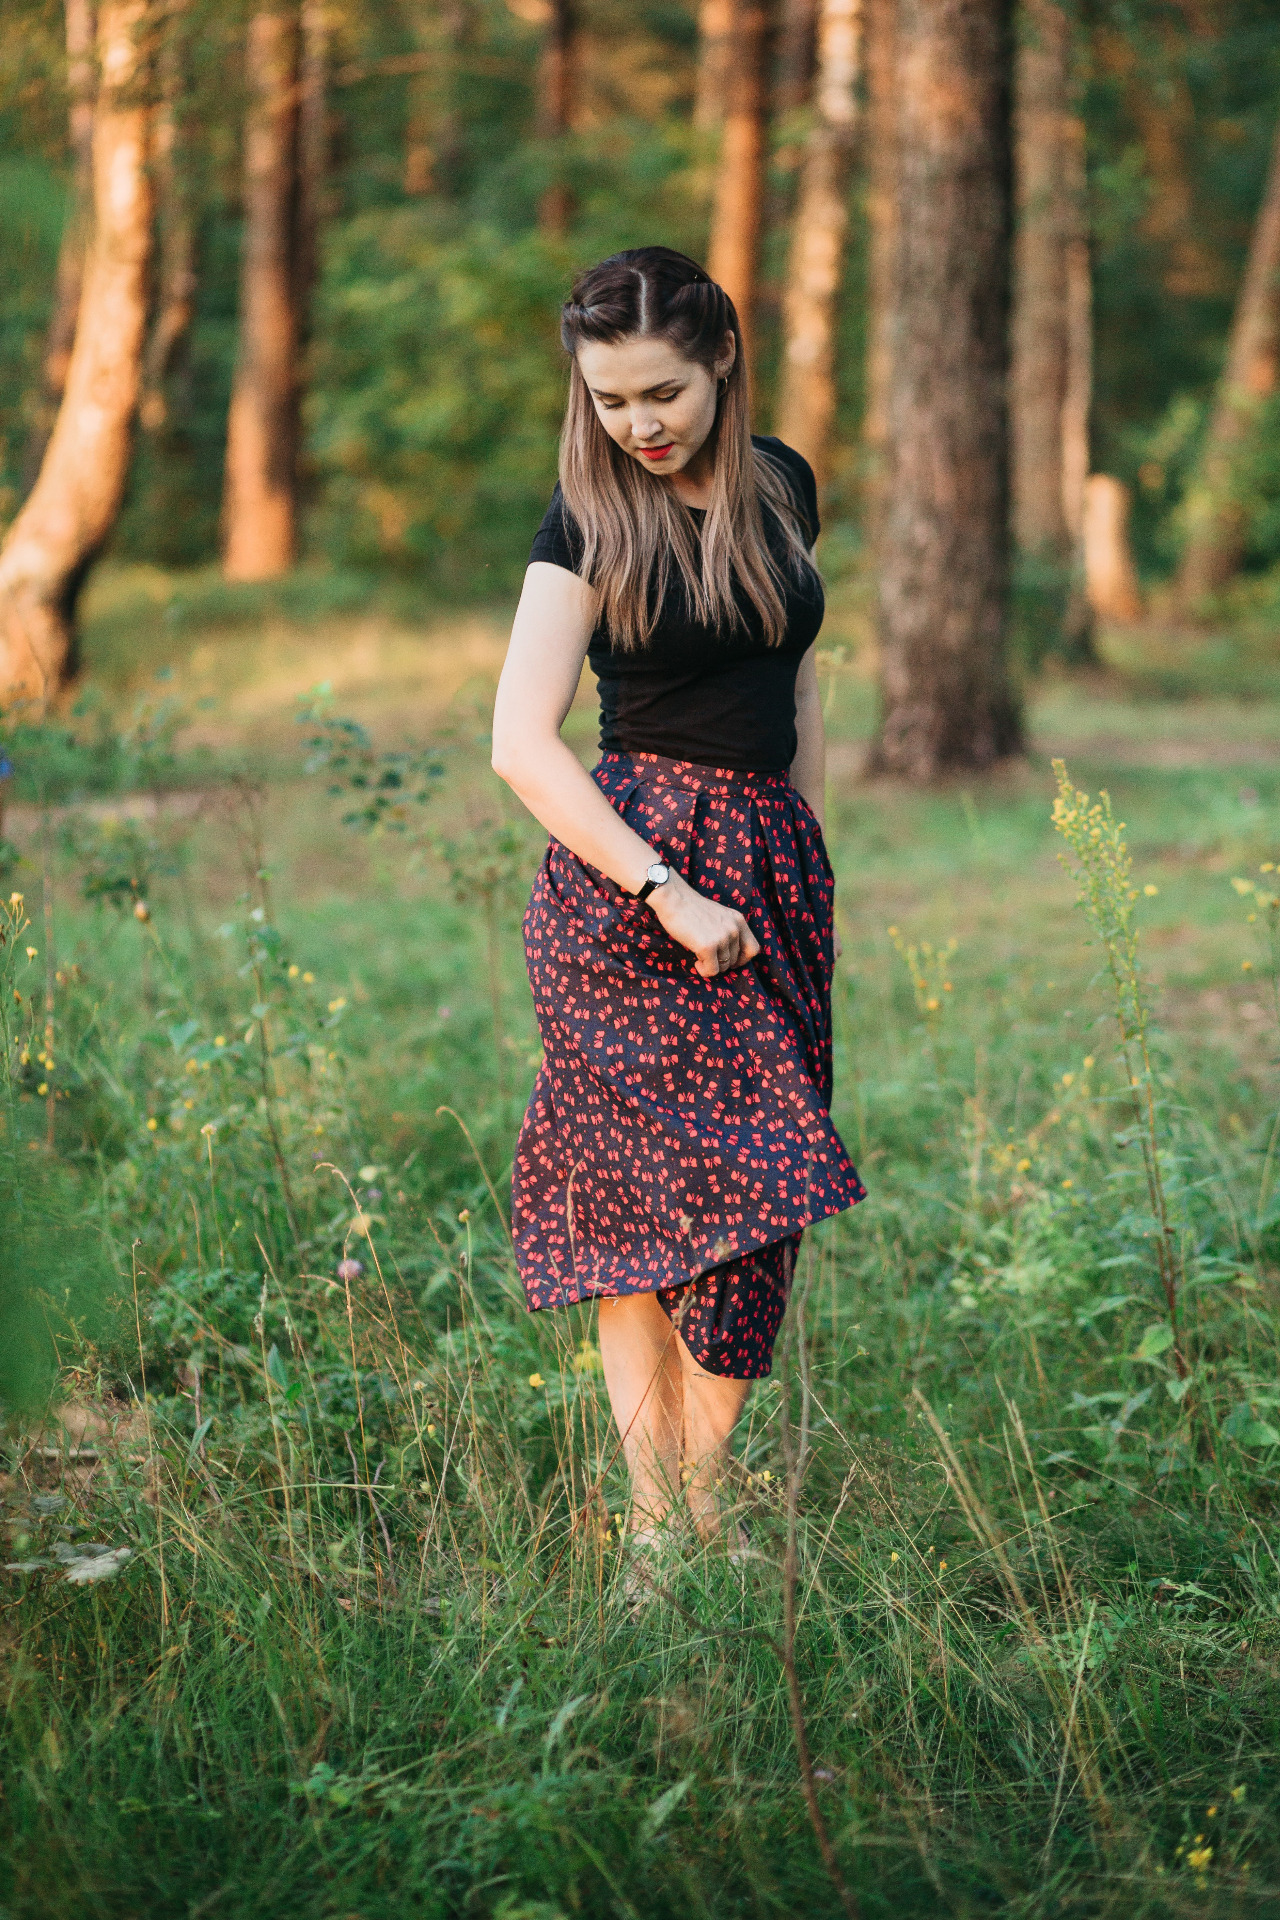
<point x="680" y="933"/>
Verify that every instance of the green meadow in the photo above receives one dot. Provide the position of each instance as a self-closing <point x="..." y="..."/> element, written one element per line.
<point x="314" y="1539"/>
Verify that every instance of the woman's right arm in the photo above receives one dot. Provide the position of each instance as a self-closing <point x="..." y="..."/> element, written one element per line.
<point x="549" y="640"/>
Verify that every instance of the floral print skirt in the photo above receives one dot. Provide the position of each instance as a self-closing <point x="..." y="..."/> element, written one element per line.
<point x="678" y="1138"/>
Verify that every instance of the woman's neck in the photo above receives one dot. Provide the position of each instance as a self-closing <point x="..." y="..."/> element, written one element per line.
<point x="692" y="485"/>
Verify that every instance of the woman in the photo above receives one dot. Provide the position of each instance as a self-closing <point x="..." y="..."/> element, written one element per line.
<point x="680" y="934"/>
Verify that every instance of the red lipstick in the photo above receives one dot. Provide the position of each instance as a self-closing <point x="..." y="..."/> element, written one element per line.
<point x="657" y="453"/>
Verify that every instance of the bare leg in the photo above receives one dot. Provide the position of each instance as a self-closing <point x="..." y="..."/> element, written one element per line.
<point x="711" y="1408"/>
<point x="642" y="1371"/>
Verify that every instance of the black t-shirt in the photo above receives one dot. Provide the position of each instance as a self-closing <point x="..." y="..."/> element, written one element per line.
<point x="694" y="692"/>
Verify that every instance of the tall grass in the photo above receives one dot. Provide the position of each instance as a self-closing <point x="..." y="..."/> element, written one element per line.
<point x="1006" y="1638"/>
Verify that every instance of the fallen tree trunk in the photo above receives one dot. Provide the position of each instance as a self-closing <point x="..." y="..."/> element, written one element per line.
<point x="76" y="498"/>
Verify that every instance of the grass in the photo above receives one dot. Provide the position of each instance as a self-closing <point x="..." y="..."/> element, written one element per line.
<point x="368" y="1653"/>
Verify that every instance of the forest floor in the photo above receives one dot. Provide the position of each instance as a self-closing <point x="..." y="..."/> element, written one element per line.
<point x="315" y="1596"/>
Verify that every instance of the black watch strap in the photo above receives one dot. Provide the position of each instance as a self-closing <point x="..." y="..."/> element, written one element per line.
<point x="657" y="876"/>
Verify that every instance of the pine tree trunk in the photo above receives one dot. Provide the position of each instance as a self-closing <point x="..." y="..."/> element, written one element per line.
<point x="733" y="253"/>
<point x="1040" y="352"/>
<point x="880" y="147"/>
<point x="797" y="56"/>
<point x="715" y="33"/>
<point x="807" y="400"/>
<point x="1109" y="570"/>
<point x="1077" y="405"/>
<point x="76" y="234"/>
<point x="557" y="78"/>
<point x="176" y="291"/>
<point x="1215" y="536"/>
<point x="260" y="489"/>
<point x="947" y="701"/>
<point x="73" y="505"/>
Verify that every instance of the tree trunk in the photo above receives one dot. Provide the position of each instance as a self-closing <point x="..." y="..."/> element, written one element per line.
<point x="76" y="235"/>
<point x="733" y="254"/>
<point x="1109" y="570"/>
<point x="715" y="33"/>
<point x="880" y="147"/>
<point x="176" y="292"/>
<point x="1040" y="353"/>
<point x="1077" y="404"/>
<point x="557" y="76"/>
<point x="795" y="65"/>
<point x="1215" y="524"/>
<point x="76" y="497"/>
<point x="946" y="697"/>
<point x="807" y="402"/>
<point x="260" y="491"/>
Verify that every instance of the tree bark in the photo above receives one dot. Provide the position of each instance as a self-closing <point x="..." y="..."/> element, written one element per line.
<point x="557" y="78"/>
<point x="260" y="490"/>
<point x="733" y="253"/>
<point x="715" y="32"/>
<point x="1215" y="523"/>
<point x="76" y="234"/>
<point x="807" y="399"/>
<point x="73" y="505"/>
<point x="882" y="246"/>
<point x="947" y="702"/>
<point x="796" y="63"/>
<point x="176" y="292"/>
<point x="1109" y="571"/>
<point x="1077" y="404"/>
<point x="1040" y="353"/>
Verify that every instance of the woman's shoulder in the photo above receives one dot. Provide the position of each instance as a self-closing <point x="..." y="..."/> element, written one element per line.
<point x="796" y="472"/>
<point x="558" y="539"/>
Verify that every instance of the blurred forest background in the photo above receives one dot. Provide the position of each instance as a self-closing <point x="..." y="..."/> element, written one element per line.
<point x="330" y="323"/>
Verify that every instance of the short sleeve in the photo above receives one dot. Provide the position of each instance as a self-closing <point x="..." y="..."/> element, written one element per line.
<point x="799" y="476"/>
<point x="557" y="540"/>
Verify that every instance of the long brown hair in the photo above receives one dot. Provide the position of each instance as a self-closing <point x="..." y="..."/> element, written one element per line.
<point x="636" y="534"/>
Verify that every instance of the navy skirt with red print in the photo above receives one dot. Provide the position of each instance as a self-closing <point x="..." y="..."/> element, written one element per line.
<point x="678" y="1139"/>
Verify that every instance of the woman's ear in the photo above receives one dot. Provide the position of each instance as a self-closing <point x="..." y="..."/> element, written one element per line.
<point x="726" y="357"/>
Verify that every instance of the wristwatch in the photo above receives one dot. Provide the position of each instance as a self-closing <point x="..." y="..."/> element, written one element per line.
<point x="656" y="876"/>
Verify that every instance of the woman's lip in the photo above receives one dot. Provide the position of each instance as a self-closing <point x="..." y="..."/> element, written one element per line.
<point x="657" y="453"/>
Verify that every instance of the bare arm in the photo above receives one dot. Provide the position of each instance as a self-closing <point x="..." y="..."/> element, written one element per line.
<point x="809" y="768"/>
<point x="549" y="640"/>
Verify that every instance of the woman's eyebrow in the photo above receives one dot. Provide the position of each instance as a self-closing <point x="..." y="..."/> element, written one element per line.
<point x="607" y="393"/>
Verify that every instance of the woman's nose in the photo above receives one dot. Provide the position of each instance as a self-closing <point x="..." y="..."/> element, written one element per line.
<point x="644" y="426"/>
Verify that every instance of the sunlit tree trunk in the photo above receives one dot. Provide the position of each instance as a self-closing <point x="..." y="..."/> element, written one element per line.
<point x="880" y="147"/>
<point x="260" y="492"/>
<point x="557" y="76"/>
<point x="1077" y="405"/>
<point x="947" y="701"/>
<point x="1215" y="525"/>
<point x="73" y="505"/>
<point x="807" y="398"/>
<point x="733" y="254"/>
<point x="76" y="233"/>
<point x="715" y="31"/>
<point x="1109" y="570"/>
<point x="176" y="279"/>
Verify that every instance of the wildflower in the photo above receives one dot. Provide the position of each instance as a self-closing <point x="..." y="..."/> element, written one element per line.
<point x="309" y="979"/>
<point x="141" y="911"/>
<point x="193" y="1066"/>
<point x="1067" y="1079"/>
<point x="893" y="933"/>
<point x="1088" y="1062"/>
<point x="1024" y="1166"/>
<point x="1237" y="1793"/>
<point x="209" y="1129"/>
<point x="15" y="900"/>
<point x="892" y="1558"/>
<point x="536" y="1380"/>
<point x="336" y="1006"/>
<point x="1211" y="1813"/>
<point x="152" y="1124"/>
<point x="1246" y="966"/>
<point x="43" y="1087"/>
<point x="1068" y="1183"/>
<point x="431" y="1432"/>
<point x="766" y="1476"/>
<point x="419" y="1386"/>
<point x="1199" y="1858"/>
<point x="32" y="952"/>
<point x="1150" y="891"/>
<point x="293" y="972"/>
<point x="349" y="1269"/>
<point x="464" y="1216"/>
<point x="942" y="1566"/>
<point x="220" y="1040"/>
<point x="931" y="1005"/>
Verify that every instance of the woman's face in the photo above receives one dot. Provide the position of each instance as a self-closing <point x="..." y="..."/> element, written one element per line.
<point x="658" y="406"/>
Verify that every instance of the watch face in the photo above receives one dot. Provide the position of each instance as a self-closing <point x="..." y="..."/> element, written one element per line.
<point x="659" y="873"/>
